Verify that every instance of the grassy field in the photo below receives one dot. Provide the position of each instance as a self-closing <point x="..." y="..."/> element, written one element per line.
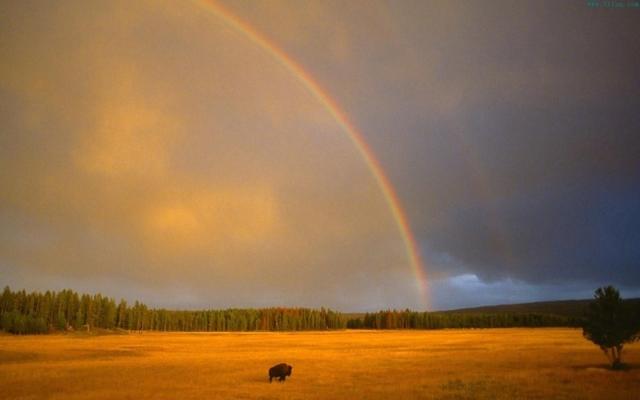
<point x="450" y="364"/>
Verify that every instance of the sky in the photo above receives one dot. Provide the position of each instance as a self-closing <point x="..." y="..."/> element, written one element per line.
<point x="152" y="150"/>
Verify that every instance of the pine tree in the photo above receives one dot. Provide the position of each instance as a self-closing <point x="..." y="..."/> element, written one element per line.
<point x="610" y="324"/>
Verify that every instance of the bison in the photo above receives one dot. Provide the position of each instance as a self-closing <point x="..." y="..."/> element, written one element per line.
<point x="280" y="371"/>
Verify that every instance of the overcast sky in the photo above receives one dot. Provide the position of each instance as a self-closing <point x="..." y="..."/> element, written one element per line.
<point x="149" y="150"/>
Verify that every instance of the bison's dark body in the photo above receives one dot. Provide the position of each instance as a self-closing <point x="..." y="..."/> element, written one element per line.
<point x="280" y="371"/>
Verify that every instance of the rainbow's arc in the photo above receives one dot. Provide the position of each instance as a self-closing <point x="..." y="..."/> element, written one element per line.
<point x="356" y="137"/>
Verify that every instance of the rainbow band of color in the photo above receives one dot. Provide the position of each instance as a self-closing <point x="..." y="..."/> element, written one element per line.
<point x="356" y="137"/>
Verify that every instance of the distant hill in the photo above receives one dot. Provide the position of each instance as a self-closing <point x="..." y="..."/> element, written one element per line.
<point x="567" y="308"/>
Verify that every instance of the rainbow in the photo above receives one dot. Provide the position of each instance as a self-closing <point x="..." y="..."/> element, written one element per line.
<point x="356" y="137"/>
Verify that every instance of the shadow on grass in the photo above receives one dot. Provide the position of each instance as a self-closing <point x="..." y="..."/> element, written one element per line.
<point x="83" y="334"/>
<point x="256" y="379"/>
<point x="18" y="357"/>
<point x="604" y="367"/>
<point x="13" y="357"/>
<point x="260" y="379"/>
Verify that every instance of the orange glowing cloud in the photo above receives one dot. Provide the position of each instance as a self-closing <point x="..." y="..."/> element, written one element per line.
<point x="172" y="151"/>
<point x="212" y="220"/>
<point x="131" y="136"/>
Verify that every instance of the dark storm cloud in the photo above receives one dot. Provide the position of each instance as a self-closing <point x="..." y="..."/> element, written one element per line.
<point x="510" y="129"/>
<point x="559" y="185"/>
<point x="585" y="233"/>
<point x="552" y="151"/>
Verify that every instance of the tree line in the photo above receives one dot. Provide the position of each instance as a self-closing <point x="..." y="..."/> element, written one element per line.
<point x="36" y="312"/>
<point x="610" y="322"/>
<point x="407" y="319"/>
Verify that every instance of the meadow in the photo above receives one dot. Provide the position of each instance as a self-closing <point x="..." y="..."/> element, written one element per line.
<point x="512" y="363"/>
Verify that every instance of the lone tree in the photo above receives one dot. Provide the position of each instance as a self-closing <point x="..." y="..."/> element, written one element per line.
<point x="611" y="323"/>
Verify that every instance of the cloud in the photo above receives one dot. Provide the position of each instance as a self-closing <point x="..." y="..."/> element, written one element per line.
<point x="509" y="130"/>
<point x="468" y="290"/>
<point x="151" y="149"/>
<point x="164" y="153"/>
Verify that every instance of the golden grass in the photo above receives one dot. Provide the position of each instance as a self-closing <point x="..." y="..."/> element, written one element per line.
<point x="449" y="364"/>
